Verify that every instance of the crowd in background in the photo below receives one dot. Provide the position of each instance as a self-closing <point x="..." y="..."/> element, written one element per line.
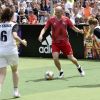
<point x="38" y="11"/>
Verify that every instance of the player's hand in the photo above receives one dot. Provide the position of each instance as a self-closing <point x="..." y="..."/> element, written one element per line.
<point x="17" y="43"/>
<point x="24" y="42"/>
<point x="81" y="31"/>
<point x="40" y="38"/>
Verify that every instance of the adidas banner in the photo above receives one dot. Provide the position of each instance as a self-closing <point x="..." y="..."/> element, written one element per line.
<point x="43" y="49"/>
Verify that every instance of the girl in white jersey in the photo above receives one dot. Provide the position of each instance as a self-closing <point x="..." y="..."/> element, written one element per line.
<point x="8" y="48"/>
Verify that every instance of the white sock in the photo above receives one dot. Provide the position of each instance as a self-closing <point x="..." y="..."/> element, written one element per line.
<point x="61" y="70"/>
<point x="16" y="89"/>
<point x="78" y="66"/>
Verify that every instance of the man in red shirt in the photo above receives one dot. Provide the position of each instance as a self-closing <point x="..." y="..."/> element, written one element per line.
<point x="60" y="40"/>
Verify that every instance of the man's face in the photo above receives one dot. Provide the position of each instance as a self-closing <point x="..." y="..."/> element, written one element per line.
<point x="58" y="13"/>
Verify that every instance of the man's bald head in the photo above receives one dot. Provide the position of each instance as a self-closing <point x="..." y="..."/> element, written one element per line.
<point x="59" y="8"/>
<point x="58" y="11"/>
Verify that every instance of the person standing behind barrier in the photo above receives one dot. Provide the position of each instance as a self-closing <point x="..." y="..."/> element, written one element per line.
<point x="87" y="11"/>
<point x="60" y="40"/>
<point x="8" y="48"/>
<point x="95" y="36"/>
<point x="94" y="26"/>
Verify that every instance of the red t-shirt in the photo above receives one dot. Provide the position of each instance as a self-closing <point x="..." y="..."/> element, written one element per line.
<point x="59" y="28"/>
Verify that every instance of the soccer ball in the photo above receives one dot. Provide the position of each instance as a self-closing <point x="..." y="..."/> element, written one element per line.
<point x="49" y="75"/>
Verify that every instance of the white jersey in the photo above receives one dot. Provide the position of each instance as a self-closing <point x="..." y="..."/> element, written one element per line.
<point x="7" y="42"/>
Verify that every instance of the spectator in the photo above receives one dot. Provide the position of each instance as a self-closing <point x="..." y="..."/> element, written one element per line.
<point x="32" y="19"/>
<point x="77" y="13"/>
<point x="68" y="5"/>
<point x="44" y="11"/>
<point x="35" y="8"/>
<point x="22" y="16"/>
<point x="94" y="9"/>
<point x="15" y="13"/>
<point x="29" y="6"/>
<point x="87" y="11"/>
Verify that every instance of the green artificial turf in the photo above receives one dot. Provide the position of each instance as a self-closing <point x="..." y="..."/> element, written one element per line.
<point x="33" y="86"/>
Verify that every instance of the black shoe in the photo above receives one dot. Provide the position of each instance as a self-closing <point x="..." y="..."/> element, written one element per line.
<point x="81" y="71"/>
<point x="61" y="74"/>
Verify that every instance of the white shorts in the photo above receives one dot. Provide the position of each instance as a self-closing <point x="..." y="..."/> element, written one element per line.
<point x="8" y="60"/>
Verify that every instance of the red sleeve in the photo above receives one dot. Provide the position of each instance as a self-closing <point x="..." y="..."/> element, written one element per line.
<point x="69" y="23"/>
<point x="48" y="23"/>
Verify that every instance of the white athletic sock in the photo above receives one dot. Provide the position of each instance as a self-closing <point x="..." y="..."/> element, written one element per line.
<point x="78" y="66"/>
<point x="61" y="70"/>
<point x="15" y="89"/>
<point x="16" y="93"/>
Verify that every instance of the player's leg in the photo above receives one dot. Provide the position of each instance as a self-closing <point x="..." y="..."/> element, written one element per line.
<point x="55" y="55"/>
<point x="15" y="76"/>
<point x="74" y="60"/>
<point x="2" y="76"/>
<point x="67" y="51"/>
<point x="3" y="65"/>
<point x="57" y="63"/>
<point x="56" y="60"/>
<point x="13" y="61"/>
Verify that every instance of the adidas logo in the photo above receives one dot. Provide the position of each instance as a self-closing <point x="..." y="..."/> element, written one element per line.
<point x="47" y="41"/>
<point x="46" y="45"/>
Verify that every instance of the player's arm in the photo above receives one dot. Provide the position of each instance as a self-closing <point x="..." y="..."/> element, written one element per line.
<point x="47" y="25"/>
<point x="71" y="25"/>
<point x="77" y="29"/>
<point x="42" y="33"/>
<point x="16" y="37"/>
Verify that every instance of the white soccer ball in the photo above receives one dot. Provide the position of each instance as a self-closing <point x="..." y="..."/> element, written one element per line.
<point x="49" y="75"/>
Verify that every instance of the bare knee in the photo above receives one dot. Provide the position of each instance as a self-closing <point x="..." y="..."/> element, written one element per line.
<point x="55" y="56"/>
<point x="72" y="58"/>
<point x="14" y="68"/>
